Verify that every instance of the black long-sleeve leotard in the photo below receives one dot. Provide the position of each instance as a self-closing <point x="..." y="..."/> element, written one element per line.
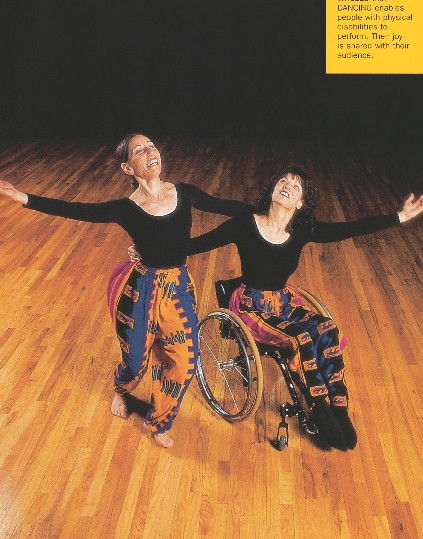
<point x="162" y="240"/>
<point x="268" y="266"/>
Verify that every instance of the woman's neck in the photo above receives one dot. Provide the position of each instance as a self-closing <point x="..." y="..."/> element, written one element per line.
<point x="278" y="218"/>
<point x="273" y="227"/>
<point x="151" y="187"/>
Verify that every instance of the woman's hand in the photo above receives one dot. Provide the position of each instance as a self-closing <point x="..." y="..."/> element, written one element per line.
<point x="7" y="189"/>
<point x="133" y="254"/>
<point x="411" y="209"/>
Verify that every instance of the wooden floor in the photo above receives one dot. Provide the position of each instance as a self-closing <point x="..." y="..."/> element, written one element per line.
<point x="71" y="470"/>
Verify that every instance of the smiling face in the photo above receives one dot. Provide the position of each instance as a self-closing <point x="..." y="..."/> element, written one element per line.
<point x="143" y="159"/>
<point x="288" y="192"/>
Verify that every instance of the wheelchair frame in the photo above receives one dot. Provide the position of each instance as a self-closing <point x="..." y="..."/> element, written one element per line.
<point x="229" y="371"/>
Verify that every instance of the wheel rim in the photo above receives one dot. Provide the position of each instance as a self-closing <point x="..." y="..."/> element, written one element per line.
<point x="227" y="367"/>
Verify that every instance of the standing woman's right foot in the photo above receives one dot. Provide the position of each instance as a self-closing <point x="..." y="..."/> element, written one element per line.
<point x="119" y="407"/>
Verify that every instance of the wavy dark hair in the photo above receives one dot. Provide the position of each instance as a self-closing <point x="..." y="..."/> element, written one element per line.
<point x="303" y="217"/>
<point x="122" y="153"/>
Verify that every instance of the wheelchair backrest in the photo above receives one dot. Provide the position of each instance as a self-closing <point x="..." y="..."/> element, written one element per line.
<point x="225" y="289"/>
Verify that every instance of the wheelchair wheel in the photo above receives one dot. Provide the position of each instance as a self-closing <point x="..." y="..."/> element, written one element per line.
<point x="229" y="369"/>
<point x="314" y="303"/>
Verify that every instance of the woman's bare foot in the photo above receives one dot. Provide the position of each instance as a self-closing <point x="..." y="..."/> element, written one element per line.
<point x="119" y="407"/>
<point x="163" y="439"/>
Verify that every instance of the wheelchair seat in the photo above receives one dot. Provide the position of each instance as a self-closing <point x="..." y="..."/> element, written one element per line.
<point x="225" y="289"/>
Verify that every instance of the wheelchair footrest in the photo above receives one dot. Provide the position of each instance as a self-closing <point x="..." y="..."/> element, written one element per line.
<point x="311" y="427"/>
<point x="289" y="410"/>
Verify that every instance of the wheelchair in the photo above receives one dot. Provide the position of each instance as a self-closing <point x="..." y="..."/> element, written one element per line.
<point x="229" y="371"/>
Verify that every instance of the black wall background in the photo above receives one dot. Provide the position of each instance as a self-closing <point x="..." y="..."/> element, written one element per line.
<point x="191" y="68"/>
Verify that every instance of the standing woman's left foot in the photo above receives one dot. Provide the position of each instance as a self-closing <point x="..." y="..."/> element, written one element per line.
<point x="163" y="439"/>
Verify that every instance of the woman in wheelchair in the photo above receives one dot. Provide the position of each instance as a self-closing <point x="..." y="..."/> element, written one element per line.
<point x="269" y="241"/>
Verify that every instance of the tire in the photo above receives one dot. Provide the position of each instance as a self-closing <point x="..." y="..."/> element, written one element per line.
<point x="314" y="303"/>
<point x="229" y="371"/>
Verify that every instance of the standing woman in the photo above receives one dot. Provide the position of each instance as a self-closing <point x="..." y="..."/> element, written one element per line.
<point x="269" y="242"/>
<point x="153" y="300"/>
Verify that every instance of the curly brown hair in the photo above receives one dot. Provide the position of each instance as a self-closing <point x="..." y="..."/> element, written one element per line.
<point x="303" y="217"/>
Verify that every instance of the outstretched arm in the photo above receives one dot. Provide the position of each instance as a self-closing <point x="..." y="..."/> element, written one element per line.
<point x="411" y="209"/>
<point x="7" y="189"/>
<point x="329" y="232"/>
<point x="205" y="202"/>
<point x="100" y="212"/>
<point x="218" y="237"/>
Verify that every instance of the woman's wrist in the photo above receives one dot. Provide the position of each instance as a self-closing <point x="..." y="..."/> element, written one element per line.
<point x="22" y="198"/>
<point x="401" y="216"/>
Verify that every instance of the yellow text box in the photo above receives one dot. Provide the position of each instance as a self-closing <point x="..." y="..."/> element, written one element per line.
<point x="374" y="36"/>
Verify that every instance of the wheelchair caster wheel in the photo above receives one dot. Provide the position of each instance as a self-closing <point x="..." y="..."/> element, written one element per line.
<point x="281" y="443"/>
<point x="282" y="436"/>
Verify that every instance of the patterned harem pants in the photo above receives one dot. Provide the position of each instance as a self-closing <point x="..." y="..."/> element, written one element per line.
<point x="149" y="305"/>
<point x="281" y="318"/>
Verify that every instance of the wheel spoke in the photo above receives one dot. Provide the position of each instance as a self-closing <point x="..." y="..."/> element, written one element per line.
<point x="239" y="371"/>
<point x="230" y="391"/>
<point x="210" y="350"/>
